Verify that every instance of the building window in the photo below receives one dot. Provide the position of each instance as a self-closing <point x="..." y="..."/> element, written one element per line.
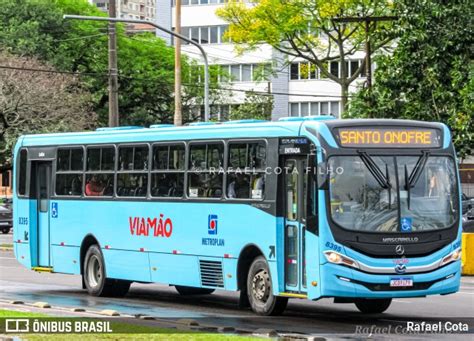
<point x="334" y="69"/>
<point x="198" y="2"/>
<point x="205" y="34"/>
<point x="244" y="72"/>
<point x="305" y="70"/>
<point x="314" y="108"/>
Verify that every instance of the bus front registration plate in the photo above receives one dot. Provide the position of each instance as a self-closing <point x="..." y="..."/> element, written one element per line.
<point x="401" y="282"/>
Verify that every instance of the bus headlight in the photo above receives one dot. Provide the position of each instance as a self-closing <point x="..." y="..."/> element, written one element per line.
<point x="452" y="257"/>
<point x="337" y="258"/>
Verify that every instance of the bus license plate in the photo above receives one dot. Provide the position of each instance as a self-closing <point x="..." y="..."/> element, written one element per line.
<point x="401" y="282"/>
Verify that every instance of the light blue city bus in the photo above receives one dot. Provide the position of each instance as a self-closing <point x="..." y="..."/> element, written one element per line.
<point x="362" y="211"/>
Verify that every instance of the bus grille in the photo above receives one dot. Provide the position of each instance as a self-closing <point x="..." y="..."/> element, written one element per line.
<point x="211" y="274"/>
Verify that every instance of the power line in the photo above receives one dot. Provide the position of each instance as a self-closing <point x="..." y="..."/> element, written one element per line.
<point x="150" y="79"/>
<point x="53" y="71"/>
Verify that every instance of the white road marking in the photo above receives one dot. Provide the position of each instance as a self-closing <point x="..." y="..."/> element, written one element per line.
<point x="9" y="267"/>
<point x="7" y="258"/>
<point x="400" y="301"/>
<point x="465" y="293"/>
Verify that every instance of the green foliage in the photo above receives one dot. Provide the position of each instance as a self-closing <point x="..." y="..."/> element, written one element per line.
<point x="429" y="77"/>
<point x="145" y="63"/>
<point x="255" y="106"/>
<point x="306" y="29"/>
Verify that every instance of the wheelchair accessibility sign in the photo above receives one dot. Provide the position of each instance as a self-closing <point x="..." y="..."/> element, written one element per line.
<point x="54" y="210"/>
<point x="406" y="225"/>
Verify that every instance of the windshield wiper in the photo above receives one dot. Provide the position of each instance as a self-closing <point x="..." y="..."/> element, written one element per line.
<point x="382" y="179"/>
<point x="412" y="179"/>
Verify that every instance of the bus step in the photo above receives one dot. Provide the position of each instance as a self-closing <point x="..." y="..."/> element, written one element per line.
<point x="42" y="269"/>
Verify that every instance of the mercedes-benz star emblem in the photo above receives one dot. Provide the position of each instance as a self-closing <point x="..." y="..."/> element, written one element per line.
<point x="399" y="250"/>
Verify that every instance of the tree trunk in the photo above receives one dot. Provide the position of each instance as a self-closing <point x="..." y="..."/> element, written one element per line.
<point x="344" y="97"/>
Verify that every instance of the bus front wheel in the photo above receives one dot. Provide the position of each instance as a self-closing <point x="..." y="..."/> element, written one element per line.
<point x="260" y="290"/>
<point x="373" y="306"/>
<point x="97" y="284"/>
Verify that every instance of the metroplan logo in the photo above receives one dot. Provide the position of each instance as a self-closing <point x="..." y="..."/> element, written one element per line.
<point x="212" y="224"/>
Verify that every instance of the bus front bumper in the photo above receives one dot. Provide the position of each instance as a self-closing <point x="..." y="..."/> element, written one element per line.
<point x="342" y="281"/>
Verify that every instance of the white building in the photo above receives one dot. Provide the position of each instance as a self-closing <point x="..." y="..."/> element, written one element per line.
<point x="130" y="9"/>
<point x="297" y="89"/>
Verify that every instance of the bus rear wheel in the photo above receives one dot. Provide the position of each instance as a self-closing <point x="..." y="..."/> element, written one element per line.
<point x="373" y="306"/>
<point x="185" y="291"/>
<point x="260" y="290"/>
<point x="97" y="284"/>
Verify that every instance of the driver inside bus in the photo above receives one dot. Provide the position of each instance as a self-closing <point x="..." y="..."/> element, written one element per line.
<point x="94" y="187"/>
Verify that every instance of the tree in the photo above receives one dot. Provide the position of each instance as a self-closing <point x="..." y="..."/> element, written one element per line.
<point x="32" y="102"/>
<point x="145" y="62"/>
<point x="429" y="77"/>
<point x="306" y="29"/>
<point x="255" y="106"/>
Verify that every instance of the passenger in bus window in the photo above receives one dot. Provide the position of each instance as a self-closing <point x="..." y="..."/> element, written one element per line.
<point x="94" y="187"/>
<point x="76" y="185"/>
<point x="239" y="188"/>
<point x="258" y="185"/>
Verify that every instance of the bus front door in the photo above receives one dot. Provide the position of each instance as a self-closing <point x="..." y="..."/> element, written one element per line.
<point x="43" y="192"/>
<point x="295" y="267"/>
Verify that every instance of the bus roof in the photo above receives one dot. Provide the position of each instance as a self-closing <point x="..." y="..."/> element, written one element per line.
<point x="208" y="130"/>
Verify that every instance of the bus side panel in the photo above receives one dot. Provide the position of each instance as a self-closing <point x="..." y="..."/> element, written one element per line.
<point x="229" y="270"/>
<point x="24" y="231"/>
<point x="175" y="269"/>
<point x="278" y="277"/>
<point x="312" y="266"/>
<point x="129" y="265"/>
<point x="22" y="253"/>
<point x="66" y="259"/>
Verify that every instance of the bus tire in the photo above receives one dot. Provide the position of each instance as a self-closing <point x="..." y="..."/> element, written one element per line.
<point x="260" y="291"/>
<point x="185" y="291"/>
<point x="5" y="230"/>
<point x="97" y="284"/>
<point x="373" y="306"/>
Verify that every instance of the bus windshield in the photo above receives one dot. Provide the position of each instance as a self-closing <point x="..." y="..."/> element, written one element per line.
<point x="370" y="196"/>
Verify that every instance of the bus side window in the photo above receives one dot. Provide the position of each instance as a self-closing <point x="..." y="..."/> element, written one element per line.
<point x="22" y="172"/>
<point x="246" y="175"/>
<point x="69" y="168"/>
<point x="132" y="176"/>
<point x="100" y="171"/>
<point x="205" y="175"/>
<point x="167" y="177"/>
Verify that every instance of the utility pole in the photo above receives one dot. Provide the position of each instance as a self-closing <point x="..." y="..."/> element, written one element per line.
<point x="178" y="109"/>
<point x="170" y="32"/>
<point x="113" y="72"/>
<point x="368" y="50"/>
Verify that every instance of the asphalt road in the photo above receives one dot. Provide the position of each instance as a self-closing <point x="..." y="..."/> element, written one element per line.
<point x="221" y="308"/>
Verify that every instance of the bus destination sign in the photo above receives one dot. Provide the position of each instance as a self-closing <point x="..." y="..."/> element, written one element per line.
<point x="395" y="137"/>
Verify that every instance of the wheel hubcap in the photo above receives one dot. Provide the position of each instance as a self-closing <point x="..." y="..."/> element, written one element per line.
<point x="261" y="286"/>
<point x="94" y="271"/>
